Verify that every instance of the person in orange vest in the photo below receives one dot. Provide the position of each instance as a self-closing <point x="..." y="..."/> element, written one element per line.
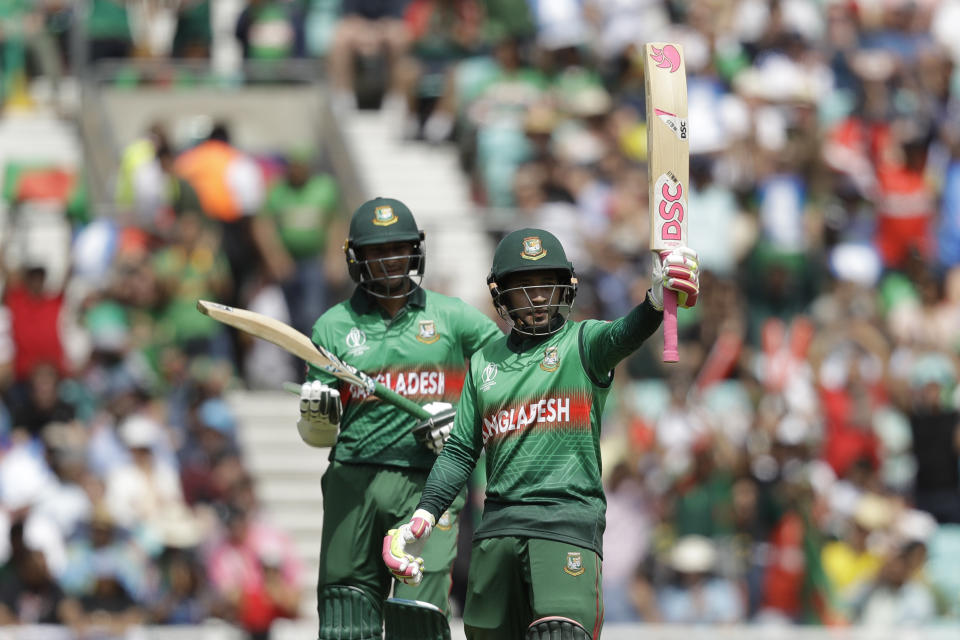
<point x="231" y="190"/>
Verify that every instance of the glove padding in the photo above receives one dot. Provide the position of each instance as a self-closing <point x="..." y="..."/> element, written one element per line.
<point x="434" y="431"/>
<point x="678" y="270"/>
<point x="320" y="411"/>
<point x="403" y="547"/>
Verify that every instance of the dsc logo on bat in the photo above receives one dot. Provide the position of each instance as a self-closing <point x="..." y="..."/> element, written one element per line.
<point x="671" y="207"/>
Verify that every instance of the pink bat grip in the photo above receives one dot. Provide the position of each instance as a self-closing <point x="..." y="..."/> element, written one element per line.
<point x="670" y="351"/>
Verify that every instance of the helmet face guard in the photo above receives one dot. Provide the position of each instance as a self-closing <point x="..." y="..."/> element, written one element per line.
<point x="558" y="305"/>
<point x="399" y="285"/>
<point x="529" y="251"/>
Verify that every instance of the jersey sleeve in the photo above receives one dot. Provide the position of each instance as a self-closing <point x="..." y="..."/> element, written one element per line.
<point x="320" y="336"/>
<point x="459" y="456"/>
<point x="476" y="329"/>
<point x="604" y="344"/>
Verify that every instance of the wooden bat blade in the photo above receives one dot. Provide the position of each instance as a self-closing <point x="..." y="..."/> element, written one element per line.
<point x="668" y="164"/>
<point x="267" y="328"/>
<point x="292" y="341"/>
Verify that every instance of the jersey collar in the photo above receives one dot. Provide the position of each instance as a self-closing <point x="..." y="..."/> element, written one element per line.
<point x="520" y="342"/>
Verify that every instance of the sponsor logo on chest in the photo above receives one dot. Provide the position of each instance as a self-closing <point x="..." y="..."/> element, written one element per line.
<point x="551" y="359"/>
<point x="428" y="332"/>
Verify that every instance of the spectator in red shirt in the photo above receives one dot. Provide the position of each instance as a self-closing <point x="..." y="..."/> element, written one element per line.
<point x="905" y="202"/>
<point x="34" y="322"/>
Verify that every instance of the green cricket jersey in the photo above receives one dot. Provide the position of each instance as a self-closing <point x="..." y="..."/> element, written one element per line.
<point x="421" y="353"/>
<point x="534" y="405"/>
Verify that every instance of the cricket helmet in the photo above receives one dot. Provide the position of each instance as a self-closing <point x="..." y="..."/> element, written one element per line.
<point x="528" y="250"/>
<point x="383" y="221"/>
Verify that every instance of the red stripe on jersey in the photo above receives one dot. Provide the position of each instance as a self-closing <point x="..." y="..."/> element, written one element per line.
<point x="563" y="412"/>
<point x="421" y="384"/>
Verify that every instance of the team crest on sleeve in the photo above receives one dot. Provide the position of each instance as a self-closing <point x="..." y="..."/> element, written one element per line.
<point x="551" y="359"/>
<point x="446" y="521"/>
<point x="428" y="332"/>
<point x="356" y="342"/>
<point x="533" y="249"/>
<point x="574" y="565"/>
<point x="384" y="216"/>
<point x="487" y="376"/>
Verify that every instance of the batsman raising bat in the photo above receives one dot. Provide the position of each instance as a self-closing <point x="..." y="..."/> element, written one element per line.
<point x="414" y="342"/>
<point x="532" y="401"/>
<point x="668" y="167"/>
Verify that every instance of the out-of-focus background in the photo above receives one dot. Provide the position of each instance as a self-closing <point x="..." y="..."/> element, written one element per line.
<point x="799" y="467"/>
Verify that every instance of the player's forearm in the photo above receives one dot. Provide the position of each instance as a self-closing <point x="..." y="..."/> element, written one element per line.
<point x="623" y="336"/>
<point x="449" y="474"/>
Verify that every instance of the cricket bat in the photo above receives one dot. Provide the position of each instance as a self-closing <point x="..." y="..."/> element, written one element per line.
<point x="668" y="164"/>
<point x="292" y="341"/>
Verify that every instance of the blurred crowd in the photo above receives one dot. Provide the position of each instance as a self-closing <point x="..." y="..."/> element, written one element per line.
<point x="125" y="498"/>
<point x="800" y="465"/>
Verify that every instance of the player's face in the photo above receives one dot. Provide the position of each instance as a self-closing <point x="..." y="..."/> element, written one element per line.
<point x="389" y="263"/>
<point x="532" y="297"/>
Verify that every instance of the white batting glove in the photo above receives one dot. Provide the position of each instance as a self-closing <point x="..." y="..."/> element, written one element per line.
<point x="403" y="547"/>
<point x="434" y="432"/>
<point x="320" y="411"/>
<point x="678" y="270"/>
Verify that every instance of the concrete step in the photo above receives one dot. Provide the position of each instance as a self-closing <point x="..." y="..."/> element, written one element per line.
<point x="272" y="460"/>
<point x="307" y="547"/>
<point x="289" y="491"/>
<point x="277" y="437"/>
<point x="297" y="518"/>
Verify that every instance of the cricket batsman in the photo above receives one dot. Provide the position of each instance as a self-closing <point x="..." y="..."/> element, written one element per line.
<point x="415" y="342"/>
<point x="533" y="400"/>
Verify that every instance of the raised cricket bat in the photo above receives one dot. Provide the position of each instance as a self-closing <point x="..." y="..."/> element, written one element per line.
<point x="292" y="341"/>
<point x="668" y="164"/>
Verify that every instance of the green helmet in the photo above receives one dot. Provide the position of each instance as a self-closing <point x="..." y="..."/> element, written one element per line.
<point x="383" y="221"/>
<point x="529" y="250"/>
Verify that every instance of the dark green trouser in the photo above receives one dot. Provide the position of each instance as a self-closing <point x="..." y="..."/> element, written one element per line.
<point x="514" y="581"/>
<point x="362" y="502"/>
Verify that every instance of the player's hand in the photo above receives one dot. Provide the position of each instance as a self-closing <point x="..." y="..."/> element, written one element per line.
<point x="403" y="547"/>
<point x="320" y="411"/>
<point x="678" y="270"/>
<point x="434" y="431"/>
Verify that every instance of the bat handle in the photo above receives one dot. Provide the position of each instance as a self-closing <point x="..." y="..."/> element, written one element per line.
<point x="670" y="351"/>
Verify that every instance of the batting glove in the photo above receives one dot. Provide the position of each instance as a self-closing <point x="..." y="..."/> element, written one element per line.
<point x="320" y="411"/>
<point x="403" y="547"/>
<point x="434" y="431"/>
<point x="678" y="270"/>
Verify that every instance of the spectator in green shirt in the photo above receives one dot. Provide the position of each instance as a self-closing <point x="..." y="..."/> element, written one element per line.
<point x="108" y="30"/>
<point x="192" y="267"/>
<point x="303" y="205"/>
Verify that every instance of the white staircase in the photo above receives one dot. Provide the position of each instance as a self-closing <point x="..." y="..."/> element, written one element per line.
<point x="37" y="137"/>
<point x="430" y="181"/>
